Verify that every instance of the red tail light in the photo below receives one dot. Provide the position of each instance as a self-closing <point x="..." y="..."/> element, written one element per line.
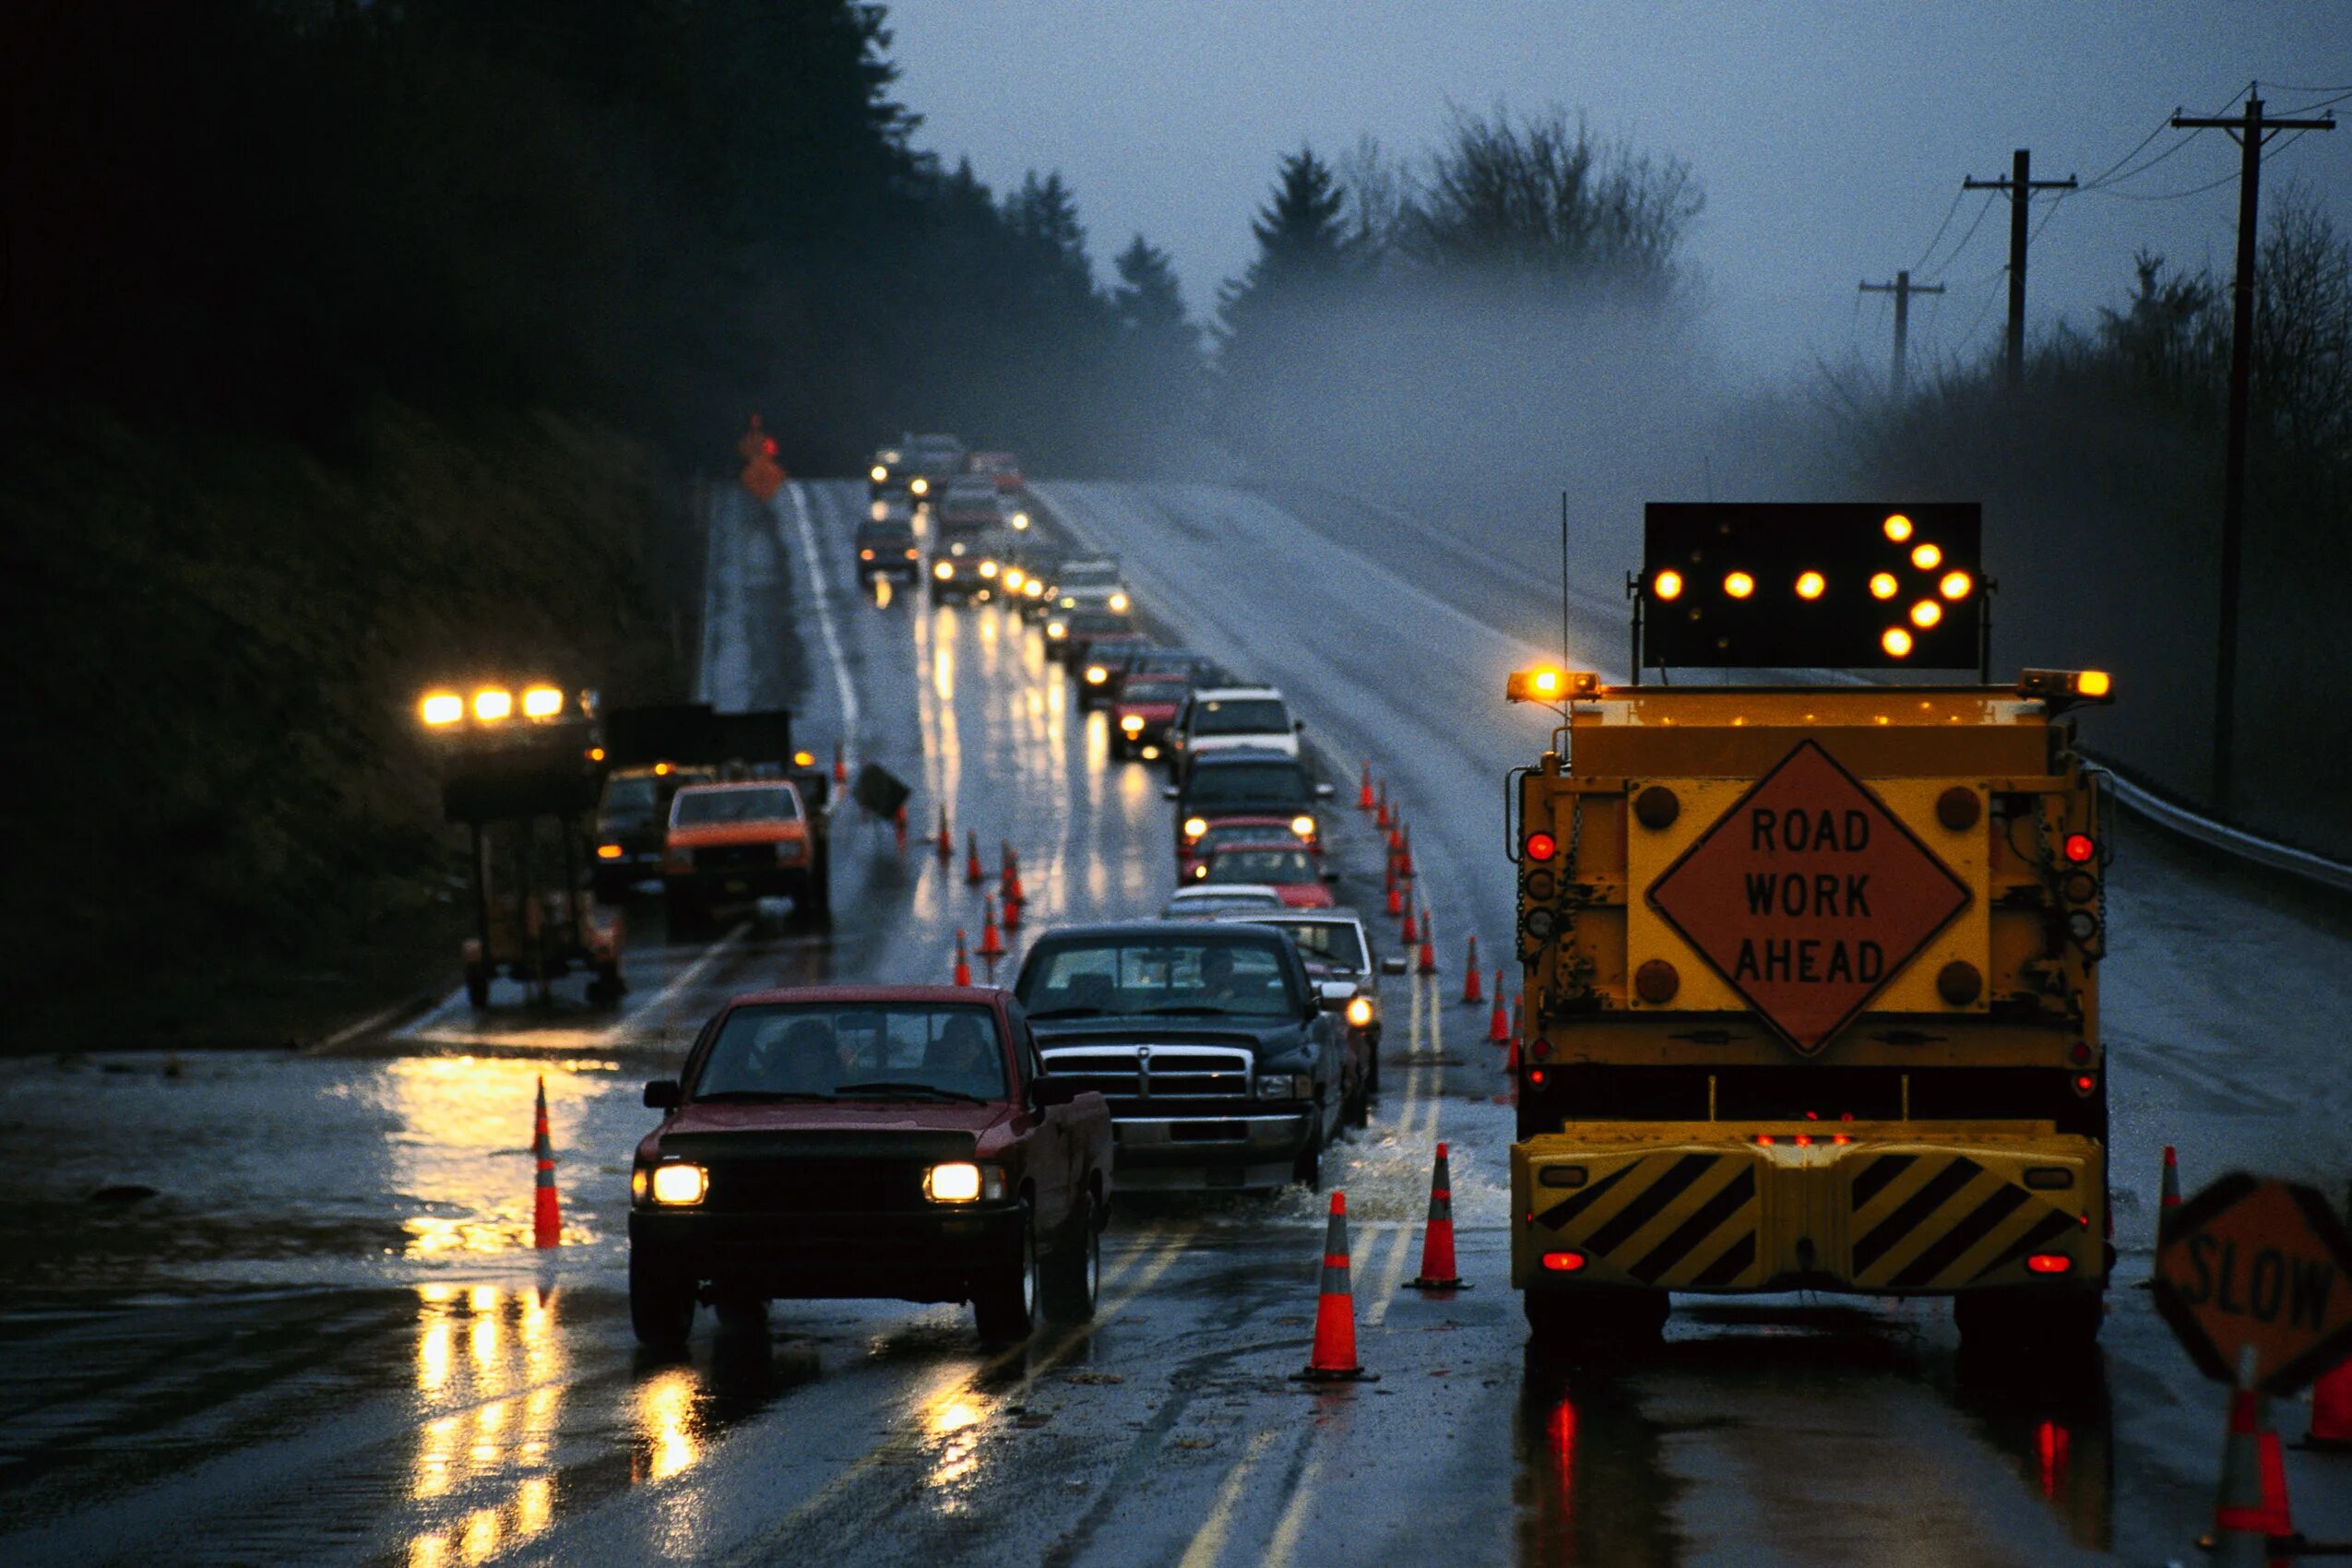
<point x="1541" y="846"/>
<point x="1564" y="1263"/>
<point x="2048" y="1263"/>
<point x="2080" y="847"/>
<point x="1535" y="1076"/>
<point x="1765" y="1139"/>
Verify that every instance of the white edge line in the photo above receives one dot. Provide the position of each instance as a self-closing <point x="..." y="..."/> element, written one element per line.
<point x="823" y="591"/>
<point x="623" y="1028"/>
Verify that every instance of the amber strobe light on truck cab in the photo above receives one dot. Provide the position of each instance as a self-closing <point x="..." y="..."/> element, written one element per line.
<point x="1767" y="586"/>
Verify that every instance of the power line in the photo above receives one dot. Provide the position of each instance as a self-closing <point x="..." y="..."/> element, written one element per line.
<point x="2134" y="173"/>
<point x="1960" y="249"/>
<point x="2157" y="131"/>
<point x="1956" y="197"/>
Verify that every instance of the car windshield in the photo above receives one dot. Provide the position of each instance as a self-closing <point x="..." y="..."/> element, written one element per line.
<point x="887" y="1049"/>
<point x="1240" y="716"/>
<point x="1098" y="622"/>
<point x="1337" y="944"/>
<point x="1090" y="574"/>
<point x="1148" y="690"/>
<point x="629" y="795"/>
<point x="1154" y="975"/>
<point x="1216" y="784"/>
<point x="1276" y="866"/>
<point x="695" y="808"/>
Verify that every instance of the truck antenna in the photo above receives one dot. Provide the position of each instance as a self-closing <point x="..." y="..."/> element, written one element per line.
<point x="1563" y="578"/>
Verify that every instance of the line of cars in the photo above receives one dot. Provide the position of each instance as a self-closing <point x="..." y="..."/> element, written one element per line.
<point x="941" y="1143"/>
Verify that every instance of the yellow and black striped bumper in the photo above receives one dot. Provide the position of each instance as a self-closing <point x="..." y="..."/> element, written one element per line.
<point x="1875" y="1208"/>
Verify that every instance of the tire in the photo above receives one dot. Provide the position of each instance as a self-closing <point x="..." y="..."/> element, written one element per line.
<point x="1072" y="1278"/>
<point x="661" y="1302"/>
<point x="477" y="985"/>
<point x="1567" y="1319"/>
<point x="1307" y="1171"/>
<point x="2029" y="1321"/>
<point x="1371" y="1056"/>
<point x="1005" y="1303"/>
<point x="1356" y="1111"/>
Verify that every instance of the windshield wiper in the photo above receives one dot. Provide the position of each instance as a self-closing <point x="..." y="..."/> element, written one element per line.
<point x="724" y="1095"/>
<point x="1067" y="1013"/>
<point x="892" y="1087"/>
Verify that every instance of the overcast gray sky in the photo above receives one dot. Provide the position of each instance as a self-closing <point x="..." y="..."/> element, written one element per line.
<point x="1830" y="137"/>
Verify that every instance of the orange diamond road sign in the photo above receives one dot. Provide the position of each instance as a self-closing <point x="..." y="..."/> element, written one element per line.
<point x="2254" y="1263"/>
<point x="1808" y="895"/>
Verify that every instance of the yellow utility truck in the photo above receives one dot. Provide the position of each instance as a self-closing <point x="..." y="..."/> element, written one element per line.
<point x="1811" y="997"/>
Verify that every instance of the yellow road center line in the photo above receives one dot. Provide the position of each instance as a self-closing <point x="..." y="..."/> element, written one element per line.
<point x="669" y="994"/>
<point x="1208" y="1543"/>
<point x="1392" y="1278"/>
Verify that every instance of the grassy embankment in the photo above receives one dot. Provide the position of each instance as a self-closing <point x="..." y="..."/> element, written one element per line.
<point x="231" y="835"/>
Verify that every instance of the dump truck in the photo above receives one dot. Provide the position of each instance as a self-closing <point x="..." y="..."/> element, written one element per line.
<point x="1810" y="961"/>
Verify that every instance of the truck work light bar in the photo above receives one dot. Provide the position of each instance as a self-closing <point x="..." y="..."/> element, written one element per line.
<point x="1771" y="586"/>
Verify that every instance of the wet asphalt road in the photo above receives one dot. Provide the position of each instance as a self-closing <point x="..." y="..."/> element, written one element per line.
<point x="323" y="1338"/>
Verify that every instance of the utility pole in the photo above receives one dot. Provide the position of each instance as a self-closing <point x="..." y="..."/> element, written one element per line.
<point x="2021" y="186"/>
<point x="1902" y="288"/>
<point x="2249" y="130"/>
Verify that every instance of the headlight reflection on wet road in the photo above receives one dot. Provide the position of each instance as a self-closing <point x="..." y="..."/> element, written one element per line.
<point x="505" y="1397"/>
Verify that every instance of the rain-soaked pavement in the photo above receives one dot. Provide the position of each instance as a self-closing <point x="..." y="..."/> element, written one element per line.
<point x="282" y="1309"/>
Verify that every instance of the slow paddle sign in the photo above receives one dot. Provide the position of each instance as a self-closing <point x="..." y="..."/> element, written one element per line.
<point x="2256" y="1264"/>
<point x="1808" y="896"/>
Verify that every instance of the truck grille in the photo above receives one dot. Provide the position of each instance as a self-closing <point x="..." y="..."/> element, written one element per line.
<point x="830" y="1186"/>
<point x="1157" y="1080"/>
<point x="735" y="857"/>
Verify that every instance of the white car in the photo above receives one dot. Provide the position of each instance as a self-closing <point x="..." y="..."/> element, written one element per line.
<point x="1222" y="898"/>
<point x="1225" y="719"/>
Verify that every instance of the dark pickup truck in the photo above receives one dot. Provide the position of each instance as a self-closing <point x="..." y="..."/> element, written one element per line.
<point x="1211" y="1044"/>
<point x="869" y="1141"/>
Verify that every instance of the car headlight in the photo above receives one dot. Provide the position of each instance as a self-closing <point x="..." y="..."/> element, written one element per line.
<point x="1361" y="1012"/>
<point x="1286" y="1085"/>
<point x="442" y="708"/>
<point x="1132" y="723"/>
<point x="943" y="571"/>
<point x="961" y="1182"/>
<point x="1194" y="826"/>
<point x="1020" y="520"/>
<point x="1118" y="602"/>
<point x="680" y="1182"/>
<point x="493" y="703"/>
<point x="1304" y="826"/>
<point x="878" y="473"/>
<point x="1068" y="602"/>
<point x="1097" y="674"/>
<point x="988" y="568"/>
<point x="920" y="485"/>
<point x="1056" y="630"/>
<point x="1034" y="589"/>
<point x="1013" y="577"/>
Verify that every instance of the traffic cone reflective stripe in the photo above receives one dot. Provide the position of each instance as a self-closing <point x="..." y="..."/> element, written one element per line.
<point x="1396" y="894"/>
<point x="1332" y="1360"/>
<point x="1381" y="818"/>
<point x="947" y="839"/>
<point x="992" y="942"/>
<point x="1012" y="921"/>
<point x="1498" y="1025"/>
<point x="1471" y="995"/>
<point x="972" y="872"/>
<point x="1364" y="795"/>
<point x="547" y="1215"/>
<point x="1438" y="1272"/>
<point x="963" y="962"/>
<point x="1411" y="934"/>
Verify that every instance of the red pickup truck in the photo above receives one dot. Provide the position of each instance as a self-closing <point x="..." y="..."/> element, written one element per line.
<point x="869" y="1141"/>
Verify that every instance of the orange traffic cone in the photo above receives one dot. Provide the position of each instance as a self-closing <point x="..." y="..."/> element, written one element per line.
<point x="992" y="946"/>
<point x="1380" y="817"/>
<point x="1364" y="795"/>
<point x="1411" y="934"/>
<point x="947" y="839"/>
<point x="547" y="1214"/>
<point x="1395" y="895"/>
<point x="1008" y="882"/>
<point x="1403" y="851"/>
<point x="1428" y="964"/>
<point x="1498" y="1026"/>
<point x="1510" y="1095"/>
<point x="1396" y="832"/>
<point x="2171" y="1196"/>
<point x="963" y="962"/>
<point x="840" y="766"/>
<point x="972" y="872"/>
<point x="2250" y="1508"/>
<point x="1012" y="922"/>
<point x="1471" y="996"/>
<point x="1332" y="1360"/>
<point x="2332" y="1409"/>
<point x="1438" y="1272"/>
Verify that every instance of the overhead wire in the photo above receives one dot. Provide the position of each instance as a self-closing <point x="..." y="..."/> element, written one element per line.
<point x="1957" y="195"/>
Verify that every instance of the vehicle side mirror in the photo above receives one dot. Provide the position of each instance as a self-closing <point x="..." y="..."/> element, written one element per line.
<point x="1170" y="792"/>
<point x="1050" y="1089"/>
<point x="1324" y="791"/>
<point x="661" y="1093"/>
<point x="1395" y="966"/>
<point x="1300" y="725"/>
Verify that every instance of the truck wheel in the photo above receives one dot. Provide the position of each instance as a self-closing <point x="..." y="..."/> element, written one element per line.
<point x="1308" y="1170"/>
<point x="477" y="985"/>
<point x="1072" y="1275"/>
<point x="2022" y="1321"/>
<point x="1004" y="1302"/>
<point x="661" y="1302"/>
